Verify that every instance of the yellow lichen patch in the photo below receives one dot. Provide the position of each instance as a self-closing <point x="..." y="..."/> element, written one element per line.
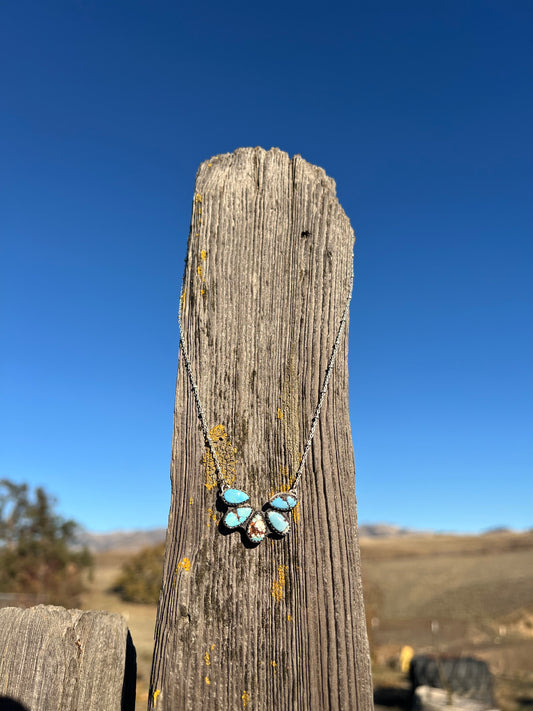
<point x="199" y="270"/>
<point x="289" y="618"/>
<point x="191" y="501"/>
<point x="274" y="665"/>
<point x="198" y="197"/>
<point x="184" y="564"/>
<point x="156" y="694"/>
<point x="245" y="699"/>
<point x="207" y="660"/>
<point x="226" y="457"/>
<point x="280" y="414"/>
<point x="296" y="514"/>
<point x="212" y="647"/>
<point x="209" y="165"/>
<point x="207" y="680"/>
<point x="202" y="292"/>
<point x="211" y="516"/>
<point x="278" y="584"/>
<point x="203" y="255"/>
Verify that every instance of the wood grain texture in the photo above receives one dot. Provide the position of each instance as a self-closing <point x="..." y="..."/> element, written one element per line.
<point x="282" y="625"/>
<point x="52" y="658"/>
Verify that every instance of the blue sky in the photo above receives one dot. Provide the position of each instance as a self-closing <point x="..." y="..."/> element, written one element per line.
<point x="421" y="112"/>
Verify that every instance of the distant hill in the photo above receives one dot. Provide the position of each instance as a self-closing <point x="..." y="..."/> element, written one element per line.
<point x="122" y="540"/>
<point x="386" y="530"/>
<point x="134" y="540"/>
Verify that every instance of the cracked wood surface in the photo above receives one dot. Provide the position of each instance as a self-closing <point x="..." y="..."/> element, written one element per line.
<point x="52" y="658"/>
<point x="281" y="625"/>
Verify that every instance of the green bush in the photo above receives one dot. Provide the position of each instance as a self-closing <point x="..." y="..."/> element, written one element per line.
<point x="140" y="579"/>
<point x="38" y="560"/>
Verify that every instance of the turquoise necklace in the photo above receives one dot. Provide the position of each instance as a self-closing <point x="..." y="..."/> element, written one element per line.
<point x="272" y="520"/>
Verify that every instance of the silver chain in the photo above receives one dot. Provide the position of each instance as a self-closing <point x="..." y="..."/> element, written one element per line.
<point x="201" y="415"/>
<point x="314" y="422"/>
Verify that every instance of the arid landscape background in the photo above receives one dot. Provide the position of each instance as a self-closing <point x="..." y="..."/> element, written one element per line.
<point x="453" y="595"/>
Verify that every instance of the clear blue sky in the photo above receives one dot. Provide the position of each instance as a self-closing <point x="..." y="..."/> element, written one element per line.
<point x="421" y="111"/>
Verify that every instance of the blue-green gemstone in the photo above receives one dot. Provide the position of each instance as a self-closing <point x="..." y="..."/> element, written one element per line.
<point x="234" y="497"/>
<point x="283" y="501"/>
<point x="236" y="517"/>
<point x="277" y="522"/>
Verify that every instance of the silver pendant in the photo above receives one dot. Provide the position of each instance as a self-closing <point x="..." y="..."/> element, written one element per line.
<point x="258" y="524"/>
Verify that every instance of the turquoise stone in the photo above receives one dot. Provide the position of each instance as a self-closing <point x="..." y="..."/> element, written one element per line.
<point x="277" y="522"/>
<point x="256" y="529"/>
<point x="237" y="517"/>
<point x="283" y="501"/>
<point x="234" y="497"/>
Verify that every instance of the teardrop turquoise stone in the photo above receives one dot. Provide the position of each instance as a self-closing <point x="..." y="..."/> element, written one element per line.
<point x="283" y="502"/>
<point x="236" y="517"/>
<point x="234" y="497"/>
<point x="277" y="522"/>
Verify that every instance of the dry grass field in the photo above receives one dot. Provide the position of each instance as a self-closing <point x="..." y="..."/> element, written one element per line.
<point x="476" y="590"/>
<point x="453" y="595"/>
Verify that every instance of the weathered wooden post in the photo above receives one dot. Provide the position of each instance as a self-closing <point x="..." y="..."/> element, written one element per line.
<point x="52" y="658"/>
<point x="279" y="625"/>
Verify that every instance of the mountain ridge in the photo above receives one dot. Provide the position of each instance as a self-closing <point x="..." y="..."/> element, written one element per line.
<point x="141" y="538"/>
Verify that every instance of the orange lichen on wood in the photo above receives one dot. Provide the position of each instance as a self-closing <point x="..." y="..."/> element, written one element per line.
<point x="184" y="564"/>
<point x="225" y="452"/>
<point x="296" y="514"/>
<point x="279" y="583"/>
<point x="211" y="516"/>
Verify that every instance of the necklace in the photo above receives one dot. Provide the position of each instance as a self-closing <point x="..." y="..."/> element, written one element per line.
<point x="272" y="519"/>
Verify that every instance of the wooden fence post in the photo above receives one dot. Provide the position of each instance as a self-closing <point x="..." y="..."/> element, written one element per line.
<point x="280" y="625"/>
<point x="52" y="658"/>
